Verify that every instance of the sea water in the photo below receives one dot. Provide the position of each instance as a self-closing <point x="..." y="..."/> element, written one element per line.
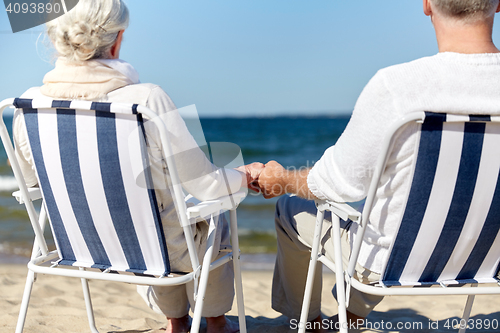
<point x="292" y="141"/>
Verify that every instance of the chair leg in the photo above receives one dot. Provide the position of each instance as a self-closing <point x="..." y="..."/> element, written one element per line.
<point x="310" y="273"/>
<point x="237" y="271"/>
<point x="467" y="310"/>
<point x="88" y="304"/>
<point x="30" y="279"/>
<point x="339" y="275"/>
<point x="205" y="270"/>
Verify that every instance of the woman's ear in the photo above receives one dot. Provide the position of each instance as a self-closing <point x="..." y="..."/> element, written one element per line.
<point x="115" y="49"/>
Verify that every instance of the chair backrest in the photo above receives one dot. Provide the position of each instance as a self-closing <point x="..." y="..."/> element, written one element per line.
<point x="91" y="162"/>
<point x="449" y="231"/>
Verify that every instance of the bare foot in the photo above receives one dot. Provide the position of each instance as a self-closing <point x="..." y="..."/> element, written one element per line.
<point x="315" y="325"/>
<point x="221" y="325"/>
<point x="354" y="322"/>
<point x="178" y="325"/>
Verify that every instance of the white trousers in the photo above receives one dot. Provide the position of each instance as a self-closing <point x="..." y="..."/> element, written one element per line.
<point x="175" y="301"/>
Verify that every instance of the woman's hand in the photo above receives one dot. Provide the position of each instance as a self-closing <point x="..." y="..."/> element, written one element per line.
<point x="252" y="172"/>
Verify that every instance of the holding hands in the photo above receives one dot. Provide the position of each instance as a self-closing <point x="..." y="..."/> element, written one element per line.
<point x="252" y="172"/>
<point x="274" y="180"/>
<point x="271" y="180"/>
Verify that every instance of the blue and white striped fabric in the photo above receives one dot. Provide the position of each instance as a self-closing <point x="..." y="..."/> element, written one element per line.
<point x="449" y="232"/>
<point x="88" y="158"/>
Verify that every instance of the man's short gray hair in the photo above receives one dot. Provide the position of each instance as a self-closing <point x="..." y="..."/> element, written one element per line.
<point x="466" y="9"/>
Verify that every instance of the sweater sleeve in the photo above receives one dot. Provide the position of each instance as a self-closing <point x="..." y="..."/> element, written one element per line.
<point x="21" y="143"/>
<point x="23" y="150"/>
<point x="344" y="172"/>
<point x="197" y="174"/>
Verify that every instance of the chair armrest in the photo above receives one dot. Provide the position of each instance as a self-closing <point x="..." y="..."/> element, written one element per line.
<point x="342" y="210"/>
<point x="206" y="208"/>
<point x="34" y="193"/>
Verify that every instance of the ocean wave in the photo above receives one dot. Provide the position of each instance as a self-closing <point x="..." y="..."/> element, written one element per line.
<point x="16" y="249"/>
<point x="8" y="183"/>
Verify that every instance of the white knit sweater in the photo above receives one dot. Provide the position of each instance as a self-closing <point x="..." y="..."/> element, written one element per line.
<point x="446" y="82"/>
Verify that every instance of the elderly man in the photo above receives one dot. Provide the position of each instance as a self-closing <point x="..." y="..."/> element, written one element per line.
<point x="464" y="77"/>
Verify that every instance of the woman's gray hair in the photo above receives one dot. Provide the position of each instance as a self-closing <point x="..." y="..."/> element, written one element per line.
<point x="89" y="30"/>
<point x="466" y="9"/>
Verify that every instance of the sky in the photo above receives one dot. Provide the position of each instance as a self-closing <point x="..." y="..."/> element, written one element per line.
<point x="248" y="58"/>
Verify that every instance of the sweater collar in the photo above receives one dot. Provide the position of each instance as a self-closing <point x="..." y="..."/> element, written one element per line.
<point x="88" y="80"/>
<point x="123" y="67"/>
<point x="471" y="59"/>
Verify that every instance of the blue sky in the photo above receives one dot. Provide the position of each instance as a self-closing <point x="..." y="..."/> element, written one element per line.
<point x="254" y="57"/>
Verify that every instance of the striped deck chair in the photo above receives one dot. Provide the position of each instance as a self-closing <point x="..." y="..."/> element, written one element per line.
<point x="92" y="168"/>
<point x="448" y="233"/>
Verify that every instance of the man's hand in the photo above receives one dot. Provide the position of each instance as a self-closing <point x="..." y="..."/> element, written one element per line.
<point x="272" y="180"/>
<point x="252" y="172"/>
<point x="275" y="180"/>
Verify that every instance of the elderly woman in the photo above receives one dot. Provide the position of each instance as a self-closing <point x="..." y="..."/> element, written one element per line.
<point x="88" y="41"/>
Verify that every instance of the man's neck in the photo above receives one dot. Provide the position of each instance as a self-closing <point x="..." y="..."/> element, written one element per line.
<point x="464" y="38"/>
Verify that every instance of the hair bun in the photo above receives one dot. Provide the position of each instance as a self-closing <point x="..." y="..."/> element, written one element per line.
<point x="83" y="40"/>
<point x="89" y="30"/>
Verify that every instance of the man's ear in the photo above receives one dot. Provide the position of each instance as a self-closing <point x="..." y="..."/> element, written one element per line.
<point x="428" y="8"/>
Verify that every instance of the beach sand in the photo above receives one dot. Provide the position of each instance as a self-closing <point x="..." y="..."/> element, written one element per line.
<point x="57" y="306"/>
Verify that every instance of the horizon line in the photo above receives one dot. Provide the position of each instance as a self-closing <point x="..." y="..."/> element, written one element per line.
<point x="280" y="114"/>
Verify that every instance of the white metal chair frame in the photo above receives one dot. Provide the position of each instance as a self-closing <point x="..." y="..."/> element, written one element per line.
<point x="345" y="280"/>
<point x="41" y="255"/>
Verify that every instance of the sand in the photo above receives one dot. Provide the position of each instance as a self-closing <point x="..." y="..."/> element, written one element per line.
<point x="57" y="306"/>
